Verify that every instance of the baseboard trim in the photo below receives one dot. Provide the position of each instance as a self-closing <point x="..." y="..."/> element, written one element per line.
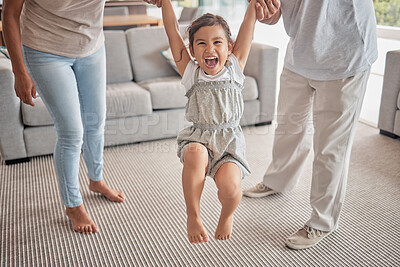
<point x="16" y="161"/>
<point x="389" y="134"/>
<point x="263" y="123"/>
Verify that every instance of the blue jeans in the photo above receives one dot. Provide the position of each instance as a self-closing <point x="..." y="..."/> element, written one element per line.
<point x="74" y="92"/>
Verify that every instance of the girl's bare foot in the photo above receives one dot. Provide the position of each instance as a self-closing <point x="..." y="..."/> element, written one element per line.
<point x="81" y="220"/>
<point x="224" y="228"/>
<point x="102" y="188"/>
<point x="196" y="231"/>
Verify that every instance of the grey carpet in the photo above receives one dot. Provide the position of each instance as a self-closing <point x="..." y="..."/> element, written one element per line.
<point x="149" y="228"/>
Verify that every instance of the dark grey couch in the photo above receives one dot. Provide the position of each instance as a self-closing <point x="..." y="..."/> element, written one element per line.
<point x="145" y="100"/>
<point x="389" y="114"/>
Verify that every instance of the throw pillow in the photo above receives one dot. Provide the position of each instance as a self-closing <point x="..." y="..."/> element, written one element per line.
<point x="4" y="51"/>
<point x="167" y="55"/>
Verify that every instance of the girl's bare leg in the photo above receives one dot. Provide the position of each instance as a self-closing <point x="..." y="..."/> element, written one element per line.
<point x="228" y="179"/>
<point x="195" y="165"/>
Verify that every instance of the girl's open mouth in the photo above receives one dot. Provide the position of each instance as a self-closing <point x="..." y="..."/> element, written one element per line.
<point x="211" y="62"/>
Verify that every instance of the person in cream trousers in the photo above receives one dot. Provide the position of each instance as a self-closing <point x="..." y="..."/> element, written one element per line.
<point x="326" y="68"/>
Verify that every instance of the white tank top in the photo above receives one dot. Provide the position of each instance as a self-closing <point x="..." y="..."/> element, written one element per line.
<point x="70" y="28"/>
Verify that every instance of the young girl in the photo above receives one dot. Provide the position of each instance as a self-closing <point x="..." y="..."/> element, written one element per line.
<point x="214" y="145"/>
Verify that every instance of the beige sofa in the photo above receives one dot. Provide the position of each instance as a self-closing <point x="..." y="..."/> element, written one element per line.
<point x="145" y="100"/>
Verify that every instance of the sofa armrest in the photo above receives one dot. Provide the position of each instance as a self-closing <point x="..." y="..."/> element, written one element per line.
<point x="390" y="92"/>
<point x="262" y="65"/>
<point x="12" y="145"/>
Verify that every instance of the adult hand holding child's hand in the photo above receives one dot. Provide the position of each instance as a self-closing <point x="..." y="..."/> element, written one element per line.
<point x="268" y="11"/>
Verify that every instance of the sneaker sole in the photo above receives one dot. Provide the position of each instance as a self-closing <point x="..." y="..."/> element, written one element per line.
<point x="258" y="195"/>
<point x="298" y="247"/>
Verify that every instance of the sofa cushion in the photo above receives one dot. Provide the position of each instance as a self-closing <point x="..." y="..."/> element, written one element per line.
<point x="40" y="140"/>
<point x="37" y="115"/>
<point x="166" y="92"/>
<point x="124" y="99"/>
<point x="117" y="57"/>
<point x="146" y="62"/>
<point x="130" y="99"/>
<point x="127" y="99"/>
<point x="144" y="45"/>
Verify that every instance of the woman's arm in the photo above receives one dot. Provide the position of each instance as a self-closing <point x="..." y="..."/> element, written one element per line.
<point x="24" y="86"/>
<point x="242" y="45"/>
<point x="178" y="48"/>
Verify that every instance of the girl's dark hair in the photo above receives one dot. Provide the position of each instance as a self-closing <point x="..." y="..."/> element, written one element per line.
<point x="208" y="20"/>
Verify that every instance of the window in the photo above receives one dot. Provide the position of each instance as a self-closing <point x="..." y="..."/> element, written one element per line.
<point x="228" y="9"/>
<point x="188" y="3"/>
<point x="387" y="12"/>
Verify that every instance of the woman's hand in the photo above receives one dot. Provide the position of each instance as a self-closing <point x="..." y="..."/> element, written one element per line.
<point x="23" y="83"/>
<point x="25" y="88"/>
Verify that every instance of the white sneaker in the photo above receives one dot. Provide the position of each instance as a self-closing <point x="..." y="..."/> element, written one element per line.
<point x="306" y="237"/>
<point x="259" y="190"/>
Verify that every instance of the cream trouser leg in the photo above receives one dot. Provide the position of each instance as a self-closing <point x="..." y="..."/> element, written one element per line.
<point x="333" y="108"/>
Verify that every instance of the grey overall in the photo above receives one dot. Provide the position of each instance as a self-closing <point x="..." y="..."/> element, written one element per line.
<point x="215" y="108"/>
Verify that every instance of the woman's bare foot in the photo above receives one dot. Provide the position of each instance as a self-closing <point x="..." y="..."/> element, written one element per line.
<point x="224" y="228"/>
<point x="102" y="188"/>
<point x="196" y="231"/>
<point x="81" y="220"/>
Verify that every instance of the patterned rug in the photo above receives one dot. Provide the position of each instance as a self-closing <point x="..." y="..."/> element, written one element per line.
<point x="149" y="228"/>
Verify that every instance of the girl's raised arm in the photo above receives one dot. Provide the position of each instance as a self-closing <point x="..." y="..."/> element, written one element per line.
<point x="242" y="45"/>
<point x="178" y="48"/>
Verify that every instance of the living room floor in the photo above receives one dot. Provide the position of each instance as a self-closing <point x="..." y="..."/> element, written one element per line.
<point x="149" y="228"/>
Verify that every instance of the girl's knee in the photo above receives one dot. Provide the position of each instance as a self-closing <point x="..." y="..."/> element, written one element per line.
<point x="229" y="190"/>
<point x="228" y="180"/>
<point x="195" y="153"/>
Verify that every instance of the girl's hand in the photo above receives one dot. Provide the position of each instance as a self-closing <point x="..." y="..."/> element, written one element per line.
<point x="259" y="11"/>
<point x="25" y="88"/>
<point x="154" y="2"/>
